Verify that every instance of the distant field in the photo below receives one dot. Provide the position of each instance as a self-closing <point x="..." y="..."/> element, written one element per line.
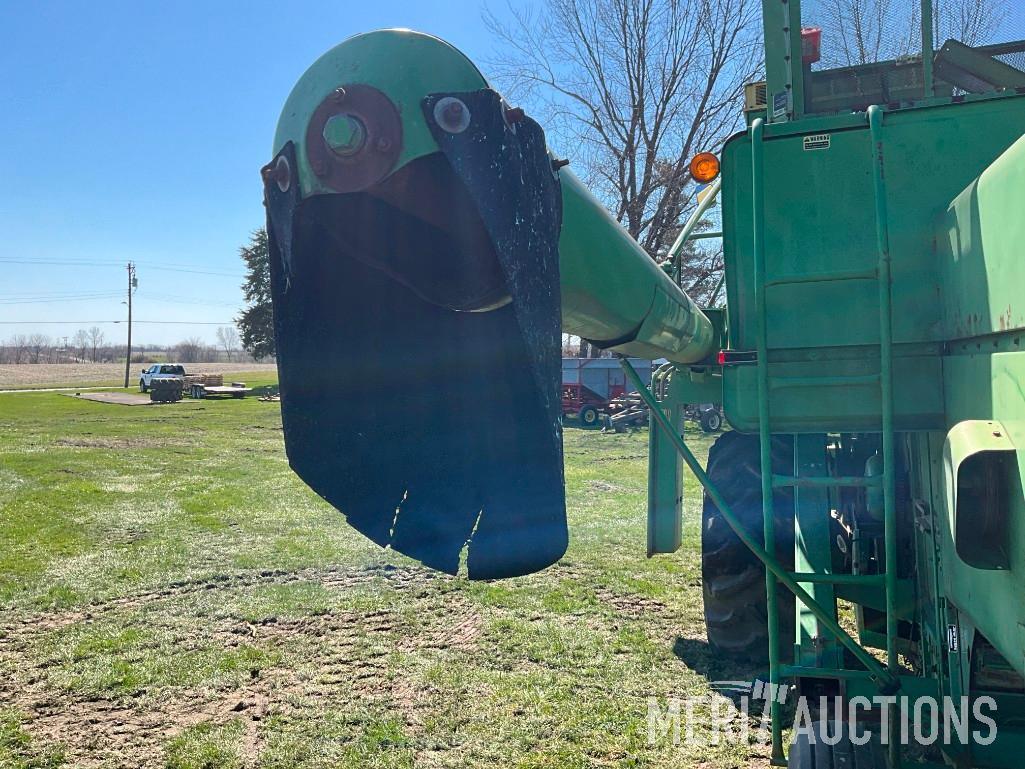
<point x="171" y="595"/>
<point x="28" y="375"/>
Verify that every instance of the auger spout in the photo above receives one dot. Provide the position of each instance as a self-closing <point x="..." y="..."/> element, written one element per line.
<point x="426" y="254"/>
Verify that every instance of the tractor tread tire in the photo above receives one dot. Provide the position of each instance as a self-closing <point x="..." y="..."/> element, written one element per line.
<point x="807" y="752"/>
<point x="733" y="579"/>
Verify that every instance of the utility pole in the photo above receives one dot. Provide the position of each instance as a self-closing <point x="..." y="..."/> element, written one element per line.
<point x="133" y="283"/>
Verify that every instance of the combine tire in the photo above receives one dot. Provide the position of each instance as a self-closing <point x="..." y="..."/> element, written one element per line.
<point x="736" y="619"/>
<point x="811" y="752"/>
<point x="589" y="416"/>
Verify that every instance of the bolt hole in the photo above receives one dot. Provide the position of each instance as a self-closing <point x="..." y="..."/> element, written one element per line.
<point x="452" y="115"/>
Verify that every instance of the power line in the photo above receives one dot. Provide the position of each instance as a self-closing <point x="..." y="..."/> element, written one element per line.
<point x="154" y="322"/>
<point x="46" y="297"/>
<point x="175" y="299"/>
<point x="78" y="298"/>
<point x="84" y="263"/>
<point x="50" y="294"/>
<point x="93" y="297"/>
<point x="195" y="272"/>
<point x="64" y="262"/>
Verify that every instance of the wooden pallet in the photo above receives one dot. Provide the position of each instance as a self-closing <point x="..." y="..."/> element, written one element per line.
<point x="234" y="390"/>
<point x="212" y="380"/>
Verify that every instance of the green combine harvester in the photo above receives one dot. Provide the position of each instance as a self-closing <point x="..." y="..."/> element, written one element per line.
<point x="870" y="360"/>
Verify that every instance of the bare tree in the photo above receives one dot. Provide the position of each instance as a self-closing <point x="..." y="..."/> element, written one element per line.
<point x="635" y="88"/>
<point x="95" y="340"/>
<point x="189" y="350"/>
<point x="700" y="268"/>
<point x="859" y="32"/>
<point x="36" y="344"/>
<point x="227" y="338"/>
<point x="81" y="342"/>
<point x="20" y="344"/>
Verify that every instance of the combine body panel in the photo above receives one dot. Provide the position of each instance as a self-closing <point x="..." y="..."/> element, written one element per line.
<point x="871" y="366"/>
<point x="980" y="242"/>
<point x="824" y="262"/>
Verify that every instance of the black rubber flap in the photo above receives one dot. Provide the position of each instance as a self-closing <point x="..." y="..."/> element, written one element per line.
<point x="435" y="432"/>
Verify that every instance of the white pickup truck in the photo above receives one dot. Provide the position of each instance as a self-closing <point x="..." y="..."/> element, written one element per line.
<point x="160" y="371"/>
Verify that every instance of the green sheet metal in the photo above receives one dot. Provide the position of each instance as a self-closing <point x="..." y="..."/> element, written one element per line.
<point x="981" y="244"/>
<point x="613" y="293"/>
<point x="406" y="65"/>
<point x="665" y="471"/>
<point x="820" y="260"/>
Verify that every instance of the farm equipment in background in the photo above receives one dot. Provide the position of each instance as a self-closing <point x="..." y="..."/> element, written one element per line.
<point x="625" y="411"/>
<point x="708" y="416"/>
<point x="869" y="362"/>
<point x="593" y="386"/>
<point x="631" y="410"/>
<point x="583" y="404"/>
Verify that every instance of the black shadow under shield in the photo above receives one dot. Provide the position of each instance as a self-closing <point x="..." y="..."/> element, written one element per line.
<point x="431" y="429"/>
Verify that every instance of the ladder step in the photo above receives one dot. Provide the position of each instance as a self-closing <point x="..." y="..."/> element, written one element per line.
<point x="826" y="481"/>
<point x="823" y="381"/>
<point x="820" y="578"/>
<point x="824" y="277"/>
<point x="798" y="671"/>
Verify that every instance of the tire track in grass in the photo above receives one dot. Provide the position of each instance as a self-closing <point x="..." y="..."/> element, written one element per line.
<point x="331" y="576"/>
<point x="347" y="663"/>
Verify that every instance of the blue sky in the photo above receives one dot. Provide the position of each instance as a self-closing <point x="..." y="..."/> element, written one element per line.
<point x="136" y="130"/>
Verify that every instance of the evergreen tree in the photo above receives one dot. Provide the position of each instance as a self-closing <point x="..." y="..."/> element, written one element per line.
<point x="256" y="323"/>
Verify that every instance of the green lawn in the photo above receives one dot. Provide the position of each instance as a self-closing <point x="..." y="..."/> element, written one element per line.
<point x="174" y="596"/>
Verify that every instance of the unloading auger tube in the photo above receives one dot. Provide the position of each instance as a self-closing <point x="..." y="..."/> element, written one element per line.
<point x="427" y="251"/>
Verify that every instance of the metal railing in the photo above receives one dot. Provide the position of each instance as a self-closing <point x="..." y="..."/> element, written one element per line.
<point x="887" y="677"/>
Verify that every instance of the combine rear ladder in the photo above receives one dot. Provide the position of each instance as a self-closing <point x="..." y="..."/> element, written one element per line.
<point x="767" y="383"/>
<point x="886" y="678"/>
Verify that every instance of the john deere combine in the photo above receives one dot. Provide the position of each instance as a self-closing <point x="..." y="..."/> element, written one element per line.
<point x="869" y="361"/>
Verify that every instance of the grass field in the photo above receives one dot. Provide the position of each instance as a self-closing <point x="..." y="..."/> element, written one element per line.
<point x="173" y="596"/>
<point x="33" y="375"/>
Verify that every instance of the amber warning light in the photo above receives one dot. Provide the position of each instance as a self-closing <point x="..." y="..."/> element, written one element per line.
<point x="704" y="167"/>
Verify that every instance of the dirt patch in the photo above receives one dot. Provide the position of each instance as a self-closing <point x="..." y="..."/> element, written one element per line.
<point x="122" y="399"/>
<point x="461" y="631"/>
<point x="110" y="443"/>
<point x="604" y="486"/>
<point x="398" y="578"/>
<point x="626" y="604"/>
<point x="348" y="663"/>
<point x="631" y="605"/>
<point x="95" y="733"/>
